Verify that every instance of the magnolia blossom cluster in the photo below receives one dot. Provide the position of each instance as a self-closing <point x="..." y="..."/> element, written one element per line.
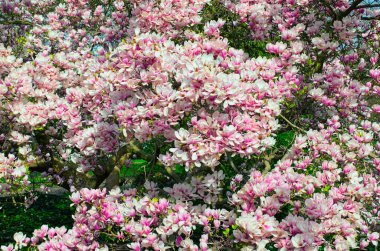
<point x="168" y="16"/>
<point x="339" y="90"/>
<point x="80" y="88"/>
<point x="80" y="103"/>
<point x="78" y="25"/>
<point x="64" y="26"/>
<point x="82" y="81"/>
<point x="342" y="57"/>
<point x="330" y="180"/>
<point x="303" y="203"/>
<point x="12" y="168"/>
<point x="230" y="100"/>
<point x="60" y="89"/>
<point x="142" y="222"/>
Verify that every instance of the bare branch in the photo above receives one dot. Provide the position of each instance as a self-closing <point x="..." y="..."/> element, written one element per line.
<point x="291" y="124"/>
<point x="15" y="22"/>
<point x="351" y="8"/>
<point x="328" y="6"/>
<point x="371" y="18"/>
<point x="366" y="6"/>
<point x="232" y="164"/>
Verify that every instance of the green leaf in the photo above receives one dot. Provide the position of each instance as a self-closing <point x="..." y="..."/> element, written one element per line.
<point x="135" y="169"/>
<point x="226" y="232"/>
<point x="285" y="139"/>
<point x="180" y="169"/>
<point x="326" y="189"/>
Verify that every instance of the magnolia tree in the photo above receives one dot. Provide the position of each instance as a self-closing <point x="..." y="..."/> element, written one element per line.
<point x="212" y="88"/>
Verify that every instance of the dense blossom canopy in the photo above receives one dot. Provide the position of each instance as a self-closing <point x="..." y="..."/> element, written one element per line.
<point x="87" y="86"/>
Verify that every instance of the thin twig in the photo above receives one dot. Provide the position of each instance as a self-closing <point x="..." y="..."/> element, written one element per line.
<point x="364" y="6"/>
<point x="371" y="18"/>
<point x="351" y="8"/>
<point x="330" y="8"/>
<point x="232" y="164"/>
<point x="153" y="161"/>
<point x="267" y="167"/>
<point x="291" y="124"/>
<point x="15" y="22"/>
<point x="172" y="174"/>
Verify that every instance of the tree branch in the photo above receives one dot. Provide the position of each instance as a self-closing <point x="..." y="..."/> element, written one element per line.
<point x="15" y="22"/>
<point x="267" y="166"/>
<point x="232" y="164"/>
<point x="366" y="6"/>
<point x="351" y="8"/>
<point x="291" y="124"/>
<point x="371" y="18"/>
<point x="328" y="6"/>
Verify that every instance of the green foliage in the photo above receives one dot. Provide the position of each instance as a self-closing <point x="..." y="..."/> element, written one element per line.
<point x="180" y="170"/>
<point x="283" y="212"/>
<point x="134" y="170"/>
<point x="271" y="247"/>
<point x="237" y="33"/>
<point x="226" y="232"/>
<point x="35" y="179"/>
<point x="47" y="209"/>
<point x="285" y="139"/>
